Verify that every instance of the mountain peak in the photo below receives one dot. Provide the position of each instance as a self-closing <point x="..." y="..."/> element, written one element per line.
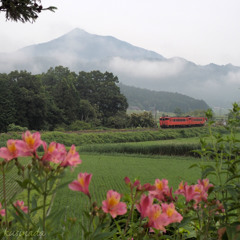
<point x="77" y="32"/>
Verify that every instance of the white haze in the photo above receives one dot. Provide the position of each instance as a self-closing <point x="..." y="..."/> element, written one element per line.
<point x="147" y="69"/>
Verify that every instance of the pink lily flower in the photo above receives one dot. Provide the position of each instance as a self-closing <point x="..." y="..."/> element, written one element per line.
<point x="55" y="152"/>
<point x="72" y="159"/>
<point x="20" y="205"/>
<point x="82" y="183"/>
<point x="14" y="149"/>
<point x="187" y="191"/>
<point x="173" y="215"/>
<point x="2" y="211"/>
<point x="200" y="193"/>
<point x="146" y="187"/>
<point x="33" y="141"/>
<point x="113" y="205"/>
<point x="162" y="190"/>
<point x="144" y="205"/>
<point x="181" y="188"/>
<point x="205" y="183"/>
<point x="157" y="219"/>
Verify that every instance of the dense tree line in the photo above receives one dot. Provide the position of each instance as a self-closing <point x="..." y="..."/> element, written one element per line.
<point x="60" y="97"/>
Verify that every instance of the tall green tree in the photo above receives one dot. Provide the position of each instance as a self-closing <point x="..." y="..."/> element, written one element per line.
<point x="7" y="104"/>
<point x="144" y="119"/>
<point x="86" y="111"/>
<point x="101" y="90"/>
<point x="29" y="98"/>
<point x="60" y="83"/>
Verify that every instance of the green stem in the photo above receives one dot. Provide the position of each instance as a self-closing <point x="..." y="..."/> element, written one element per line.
<point x="91" y="211"/>
<point x="130" y="215"/>
<point x="28" y="199"/>
<point x="5" y="197"/>
<point x="44" y="205"/>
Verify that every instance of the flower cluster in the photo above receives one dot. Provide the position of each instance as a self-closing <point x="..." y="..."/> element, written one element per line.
<point x="42" y="173"/>
<point x="163" y="213"/>
<point x="159" y="215"/>
<point x="55" y="152"/>
<point x="156" y="203"/>
<point x="197" y="192"/>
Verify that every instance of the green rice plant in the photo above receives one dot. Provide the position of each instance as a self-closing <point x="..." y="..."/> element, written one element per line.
<point x="155" y="149"/>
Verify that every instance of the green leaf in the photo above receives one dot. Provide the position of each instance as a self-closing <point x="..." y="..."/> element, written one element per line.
<point x="233" y="193"/>
<point x="207" y="171"/>
<point x="194" y="165"/>
<point x="34" y="204"/>
<point x="184" y="222"/>
<point x="56" y="216"/>
<point x="63" y="185"/>
<point x="232" y="177"/>
<point x="23" y="184"/>
<point x="105" y="235"/>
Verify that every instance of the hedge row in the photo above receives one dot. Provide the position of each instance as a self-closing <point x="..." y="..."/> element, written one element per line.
<point x="111" y="136"/>
<point x="121" y="137"/>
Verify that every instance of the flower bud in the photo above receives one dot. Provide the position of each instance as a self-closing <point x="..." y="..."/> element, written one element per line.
<point x="127" y="180"/>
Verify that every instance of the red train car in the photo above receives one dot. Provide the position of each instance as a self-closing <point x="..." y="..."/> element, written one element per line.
<point x="171" y="122"/>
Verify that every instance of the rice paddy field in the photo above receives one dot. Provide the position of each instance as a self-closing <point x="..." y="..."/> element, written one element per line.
<point x="109" y="171"/>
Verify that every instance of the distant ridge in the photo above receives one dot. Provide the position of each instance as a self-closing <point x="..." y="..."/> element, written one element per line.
<point x="149" y="100"/>
<point x="81" y="51"/>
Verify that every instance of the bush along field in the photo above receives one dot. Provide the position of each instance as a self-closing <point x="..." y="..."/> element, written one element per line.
<point x="86" y="138"/>
<point x="146" y="208"/>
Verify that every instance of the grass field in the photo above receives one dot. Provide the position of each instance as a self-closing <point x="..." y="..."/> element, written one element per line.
<point x="109" y="171"/>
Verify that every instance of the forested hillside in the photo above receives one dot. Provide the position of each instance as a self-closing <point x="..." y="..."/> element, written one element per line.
<point x="59" y="97"/>
<point x="159" y="100"/>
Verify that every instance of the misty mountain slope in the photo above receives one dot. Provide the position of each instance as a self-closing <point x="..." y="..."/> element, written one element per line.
<point x="81" y="51"/>
<point x="146" y="99"/>
<point x="88" y="47"/>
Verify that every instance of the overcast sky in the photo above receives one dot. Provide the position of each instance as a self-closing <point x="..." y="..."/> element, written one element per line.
<point x="202" y="31"/>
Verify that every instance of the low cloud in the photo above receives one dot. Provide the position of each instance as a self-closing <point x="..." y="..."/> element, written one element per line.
<point x="233" y="78"/>
<point x="147" y="68"/>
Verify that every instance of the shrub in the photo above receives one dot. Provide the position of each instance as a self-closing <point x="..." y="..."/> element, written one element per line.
<point x="79" y="125"/>
<point x="15" y="128"/>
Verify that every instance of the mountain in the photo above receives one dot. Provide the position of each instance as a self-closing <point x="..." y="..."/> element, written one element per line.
<point x="89" y="47"/>
<point x="82" y="51"/>
<point x="159" y="100"/>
